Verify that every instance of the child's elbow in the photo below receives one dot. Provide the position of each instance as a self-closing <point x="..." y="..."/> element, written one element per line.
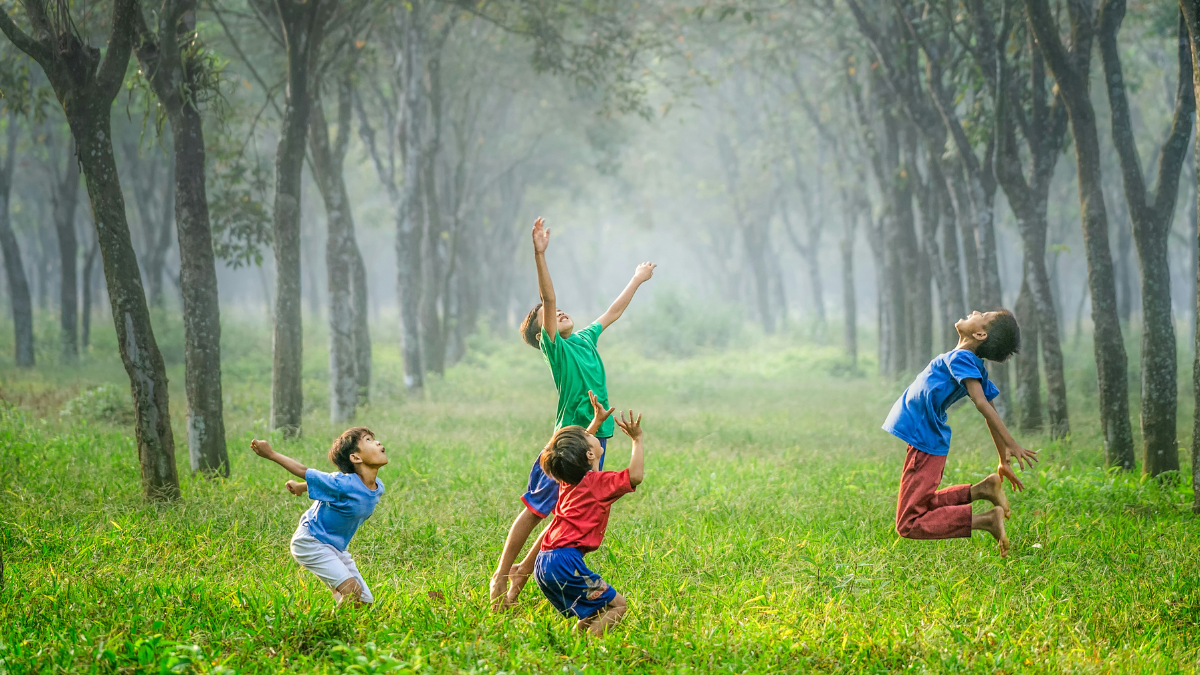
<point x="635" y="478"/>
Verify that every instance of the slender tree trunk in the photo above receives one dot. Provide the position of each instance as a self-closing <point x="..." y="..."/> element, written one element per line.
<point x="1111" y="360"/>
<point x="410" y="217"/>
<point x="361" y="327"/>
<point x="303" y="28"/>
<point x="201" y="304"/>
<point x="1121" y="273"/>
<point x="1029" y="400"/>
<point x="18" y="284"/>
<point x="849" y="301"/>
<point x="1191" y="14"/>
<point x="66" y="197"/>
<point x="1151" y="213"/>
<point x="339" y="262"/>
<point x="131" y="317"/>
<point x="85" y="310"/>
<point x="433" y="338"/>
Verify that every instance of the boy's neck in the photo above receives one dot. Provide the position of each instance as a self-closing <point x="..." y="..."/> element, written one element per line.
<point x="367" y="474"/>
<point x="968" y="343"/>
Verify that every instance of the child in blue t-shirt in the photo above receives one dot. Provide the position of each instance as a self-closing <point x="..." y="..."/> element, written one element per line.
<point x="919" y="418"/>
<point x="341" y="502"/>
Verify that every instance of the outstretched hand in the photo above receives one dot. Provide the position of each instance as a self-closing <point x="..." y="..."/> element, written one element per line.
<point x="296" y="487"/>
<point x="599" y="414"/>
<point x="644" y="271"/>
<point x="541" y="236"/>
<point x="632" y="427"/>
<point x="262" y="448"/>
<point x="1025" y="458"/>
<point x="1005" y="471"/>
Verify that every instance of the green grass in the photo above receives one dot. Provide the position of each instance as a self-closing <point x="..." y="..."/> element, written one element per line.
<point x="760" y="542"/>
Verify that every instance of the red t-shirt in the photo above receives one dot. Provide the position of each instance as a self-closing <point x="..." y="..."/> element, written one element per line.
<point x="581" y="515"/>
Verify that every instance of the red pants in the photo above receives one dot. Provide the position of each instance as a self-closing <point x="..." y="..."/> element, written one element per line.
<point x="925" y="512"/>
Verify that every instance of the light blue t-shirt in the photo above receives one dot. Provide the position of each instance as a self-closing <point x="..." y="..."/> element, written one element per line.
<point x="919" y="416"/>
<point x="341" y="502"/>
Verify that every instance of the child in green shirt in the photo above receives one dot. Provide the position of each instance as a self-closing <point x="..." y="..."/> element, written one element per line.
<point x="578" y="375"/>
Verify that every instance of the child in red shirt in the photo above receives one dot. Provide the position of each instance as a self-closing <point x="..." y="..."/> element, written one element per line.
<point x="580" y="517"/>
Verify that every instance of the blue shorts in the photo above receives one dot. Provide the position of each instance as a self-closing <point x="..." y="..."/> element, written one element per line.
<point x="542" y="493"/>
<point x="569" y="585"/>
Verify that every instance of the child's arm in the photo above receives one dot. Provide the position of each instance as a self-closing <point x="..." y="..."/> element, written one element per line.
<point x="541" y="237"/>
<point x="263" y="449"/>
<point x="1006" y="446"/>
<point x="637" y="463"/>
<point x="296" y="487"/>
<point x="599" y="415"/>
<point x="641" y="275"/>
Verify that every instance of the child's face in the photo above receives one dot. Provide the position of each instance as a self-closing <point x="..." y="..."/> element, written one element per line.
<point x="565" y="325"/>
<point x="975" y="326"/>
<point x="595" y="451"/>
<point x="370" y="453"/>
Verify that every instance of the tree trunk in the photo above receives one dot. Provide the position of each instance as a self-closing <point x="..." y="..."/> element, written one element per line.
<point x="66" y="197"/>
<point x="1121" y="273"/>
<point x="18" y="284"/>
<point x="433" y="339"/>
<point x="1191" y="14"/>
<point x="201" y="304"/>
<point x="1029" y="399"/>
<point x="131" y="316"/>
<point x="410" y="216"/>
<point x="1151" y="214"/>
<point x="849" y="301"/>
<point x="303" y="25"/>
<point x="361" y="327"/>
<point x="85" y="309"/>
<point x="339" y="262"/>
<point x="1111" y="361"/>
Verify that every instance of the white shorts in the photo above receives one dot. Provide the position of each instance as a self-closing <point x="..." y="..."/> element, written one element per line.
<point x="329" y="564"/>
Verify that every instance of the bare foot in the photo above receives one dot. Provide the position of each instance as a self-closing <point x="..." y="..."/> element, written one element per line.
<point x="993" y="523"/>
<point x="992" y="489"/>
<point x="517" y="580"/>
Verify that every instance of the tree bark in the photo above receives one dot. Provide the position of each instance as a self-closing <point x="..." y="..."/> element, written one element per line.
<point x="303" y="25"/>
<point x="85" y="309"/>
<point x="1191" y="15"/>
<point x="342" y="257"/>
<point x="1029" y="399"/>
<point x="18" y="284"/>
<point x="849" y="301"/>
<point x="410" y="217"/>
<point x="1151" y="214"/>
<point x="1111" y="361"/>
<point x="171" y="73"/>
<point x="66" y="197"/>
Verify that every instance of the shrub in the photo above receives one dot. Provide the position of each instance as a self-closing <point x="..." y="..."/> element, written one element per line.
<point x="107" y="403"/>
<point x="679" y="324"/>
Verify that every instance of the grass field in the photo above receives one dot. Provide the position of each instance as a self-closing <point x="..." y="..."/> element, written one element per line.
<point x="761" y="540"/>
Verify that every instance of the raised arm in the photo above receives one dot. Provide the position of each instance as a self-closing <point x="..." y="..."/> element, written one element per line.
<point x="263" y="449"/>
<point x="1006" y="446"/>
<point x="641" y="275"/>
<point x="541" y="237"/>
<point x="599" y="414"/>
<point x="637" y="462"/>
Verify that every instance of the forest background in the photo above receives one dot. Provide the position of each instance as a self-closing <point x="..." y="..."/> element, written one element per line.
<point x="302" y="214"/>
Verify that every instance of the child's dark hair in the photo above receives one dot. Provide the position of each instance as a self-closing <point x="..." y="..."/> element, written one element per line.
<point x="565" y="457"/>
<point x="346" y="445"/>
<point x="1003" y="338"/>
<point x="531" y="327"/>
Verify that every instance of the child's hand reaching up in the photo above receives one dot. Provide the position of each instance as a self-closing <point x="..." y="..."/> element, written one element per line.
<point x="541" y="236"/>
<point x="644" y="271"/>
<point x="633" y="427"/>
<point x="599" y="414"/>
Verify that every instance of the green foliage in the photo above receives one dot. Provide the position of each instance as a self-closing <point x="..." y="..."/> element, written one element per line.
<point x="238" y="197"/>
<point x="676" y="323"/>
<point x="108" y="403"/>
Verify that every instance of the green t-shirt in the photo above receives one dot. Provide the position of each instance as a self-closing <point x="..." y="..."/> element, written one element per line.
<point x="577" y="369"/>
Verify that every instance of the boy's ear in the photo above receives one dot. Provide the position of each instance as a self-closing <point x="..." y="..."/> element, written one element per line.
<point x="355" y="458"/>
<point x="980" y="335"/>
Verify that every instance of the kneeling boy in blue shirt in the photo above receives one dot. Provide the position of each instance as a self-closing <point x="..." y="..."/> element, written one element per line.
<point x="342" y="501"/>
<point x="919" y="418"/>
